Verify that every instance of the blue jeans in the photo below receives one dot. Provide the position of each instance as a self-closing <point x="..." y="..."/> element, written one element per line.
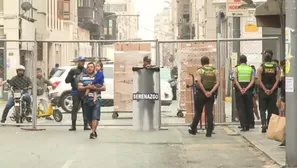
<point x="93" y="112"/>
<point x="10" y="104"/>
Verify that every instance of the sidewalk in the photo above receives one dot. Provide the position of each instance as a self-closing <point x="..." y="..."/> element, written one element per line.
<point x="269" y="147"/>
<point x="126" y="148"/>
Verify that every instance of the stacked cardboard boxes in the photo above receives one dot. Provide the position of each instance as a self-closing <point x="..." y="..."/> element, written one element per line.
<point x="189" y="59"/>
<point x="126" y="56"/>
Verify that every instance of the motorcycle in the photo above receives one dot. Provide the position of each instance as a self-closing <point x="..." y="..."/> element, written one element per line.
<point x="173" y="84"/>
<point x="20" y="108"/>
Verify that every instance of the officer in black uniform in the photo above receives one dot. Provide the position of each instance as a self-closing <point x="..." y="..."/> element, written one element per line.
<point x="73" y="79"/>
<point x="244" y="82"/>
<point x="207" y="85"/>
<point x="268" y="76"/>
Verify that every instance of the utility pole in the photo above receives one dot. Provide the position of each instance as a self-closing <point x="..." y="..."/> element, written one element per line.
<point x="236" y="49"/>
<point x="291" y="87"/>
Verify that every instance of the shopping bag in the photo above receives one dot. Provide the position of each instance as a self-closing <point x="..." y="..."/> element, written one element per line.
<point x="277" y="128"/>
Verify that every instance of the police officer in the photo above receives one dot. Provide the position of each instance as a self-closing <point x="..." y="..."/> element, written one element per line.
<point x="73" y="78"/>
<point x="146" y="85"/>
<point x="268" y="78"/>
<point x="207" y="85"/>
<point x="244" y="82"/>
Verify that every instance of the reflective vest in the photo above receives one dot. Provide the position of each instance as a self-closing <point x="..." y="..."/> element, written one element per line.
<point x="208" y="77"/>
<point x="244" y="73"/>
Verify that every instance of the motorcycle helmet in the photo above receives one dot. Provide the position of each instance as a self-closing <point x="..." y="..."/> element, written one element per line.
<point x="20" y="67"/>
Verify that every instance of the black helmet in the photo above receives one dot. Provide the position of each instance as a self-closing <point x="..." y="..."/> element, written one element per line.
<point x="147" y="59"/>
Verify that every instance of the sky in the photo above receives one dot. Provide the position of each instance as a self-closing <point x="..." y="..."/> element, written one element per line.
<point x="148" y="9"/>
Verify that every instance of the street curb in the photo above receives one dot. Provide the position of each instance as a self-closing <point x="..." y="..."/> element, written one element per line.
<point x="259" y="149"/>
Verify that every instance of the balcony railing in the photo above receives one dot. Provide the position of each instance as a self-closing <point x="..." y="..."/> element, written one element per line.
<point x="89" y="14"/>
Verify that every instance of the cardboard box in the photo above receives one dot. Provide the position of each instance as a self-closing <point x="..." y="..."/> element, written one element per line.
<point x="189" y="117"/>
<point x="126" y="56"/>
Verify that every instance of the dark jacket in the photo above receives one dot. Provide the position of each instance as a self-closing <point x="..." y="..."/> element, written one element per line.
<point x="73" y="74"/>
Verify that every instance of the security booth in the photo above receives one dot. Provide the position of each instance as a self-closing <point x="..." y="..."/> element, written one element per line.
<point x="146" y="98"/>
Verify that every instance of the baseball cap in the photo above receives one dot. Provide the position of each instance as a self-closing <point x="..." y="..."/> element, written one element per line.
<point x="147" y="59"/>
<point x="81" y="58"/>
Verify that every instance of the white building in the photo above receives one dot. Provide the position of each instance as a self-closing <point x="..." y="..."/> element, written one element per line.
<point x="204" y="19"/>
<point x="163" y="31"/>
<point x="162" y="25"/>
<point x="55" y="20"/>
<point x="127" y="19"/>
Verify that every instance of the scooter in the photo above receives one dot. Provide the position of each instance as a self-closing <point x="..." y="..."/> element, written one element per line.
<point x="52" y="110"/>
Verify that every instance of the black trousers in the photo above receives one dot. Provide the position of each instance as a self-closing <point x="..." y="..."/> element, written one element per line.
<point x="208" y="102"/>
<point x="245" y="108"/>
<point x="77" y="101"/>
<point x="267" y="102"/>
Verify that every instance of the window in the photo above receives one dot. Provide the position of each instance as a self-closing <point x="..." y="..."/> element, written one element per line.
<point x="64" y="9"/>
<point x="59" y="73"/>
<point x="80" y="3"/>
<point x="110" y="27"/>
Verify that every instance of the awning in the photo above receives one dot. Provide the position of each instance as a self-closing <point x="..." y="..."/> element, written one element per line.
<point x="268" y="14"/>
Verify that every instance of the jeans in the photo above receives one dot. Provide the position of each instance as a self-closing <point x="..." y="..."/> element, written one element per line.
<point x="93" y="112"/>
<point x="10" y="104"/>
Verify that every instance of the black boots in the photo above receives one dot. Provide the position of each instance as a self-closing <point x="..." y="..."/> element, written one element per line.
<point x="264" y="129"/>
<point x="73" y="127"/>
<point x="245" y="129"/>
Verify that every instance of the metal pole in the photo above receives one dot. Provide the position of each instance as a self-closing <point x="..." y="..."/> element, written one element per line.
<point x="100" y="50"/>
<point x="158" y="83"/>
<point x="219" y="35"/>
<point x="283" y="32"/>
<point x="236" y="49"/>
<point x="34" y="83"/>
<point x="291" y="86"/>
<point x="190" y="20"/>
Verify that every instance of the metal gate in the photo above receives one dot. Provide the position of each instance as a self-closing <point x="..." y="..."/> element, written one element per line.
<point x="179" y="58"/>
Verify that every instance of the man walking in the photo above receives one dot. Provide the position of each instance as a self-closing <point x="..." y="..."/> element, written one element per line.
<point x="53" y="71"/>
<point x="207" y="84"/>
<point x="73" y="78"/>
<point x="92" y="110"/>
<point x="268" y="78"/>
<point x="244" y="81"/>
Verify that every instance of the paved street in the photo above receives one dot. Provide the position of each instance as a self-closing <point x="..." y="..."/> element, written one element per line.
<point x="125" y="148"/>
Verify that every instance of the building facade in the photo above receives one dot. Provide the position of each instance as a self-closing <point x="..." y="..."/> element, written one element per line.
<point x="127" y="19"/>
<point x="91" y="17"/>
<point x="163" y="31"/>
<point x="46" y="20"/>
